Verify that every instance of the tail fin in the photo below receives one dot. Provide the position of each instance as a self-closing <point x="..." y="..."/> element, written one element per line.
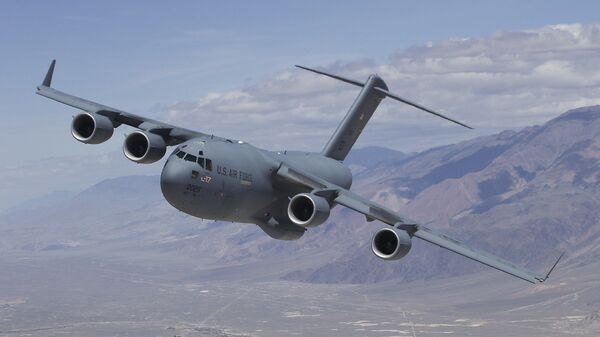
<point x="373" y="91"/>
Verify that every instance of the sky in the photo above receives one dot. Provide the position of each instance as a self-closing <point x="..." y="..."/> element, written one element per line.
<point x="226" y="67"/>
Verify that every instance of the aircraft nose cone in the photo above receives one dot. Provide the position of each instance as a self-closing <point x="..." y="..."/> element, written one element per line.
<point x="172" y="181"/>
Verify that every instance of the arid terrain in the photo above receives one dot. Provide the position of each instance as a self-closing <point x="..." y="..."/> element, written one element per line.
<point x="91" y="296"/>
<point x="116" y="260"/>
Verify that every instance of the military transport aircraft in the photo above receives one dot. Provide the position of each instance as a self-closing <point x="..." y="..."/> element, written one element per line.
<point x="284" y="192"/>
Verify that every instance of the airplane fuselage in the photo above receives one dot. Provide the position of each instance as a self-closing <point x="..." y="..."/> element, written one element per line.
<point x="235" y="181"/>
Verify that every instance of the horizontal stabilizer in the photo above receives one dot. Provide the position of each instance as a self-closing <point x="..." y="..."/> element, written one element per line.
<point x="343" y="79"/>
<point x="385" y="92"/>
<point x="418" y="106"/>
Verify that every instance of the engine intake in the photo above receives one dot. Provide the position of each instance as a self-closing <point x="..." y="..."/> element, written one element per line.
<point x="144" y="147"/>
<point x="308" y="210"/>
<point x="390" y="244"/>
<point x="91" y="128"/>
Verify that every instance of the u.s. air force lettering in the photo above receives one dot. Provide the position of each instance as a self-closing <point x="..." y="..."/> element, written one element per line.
<point x="244" y="177"/>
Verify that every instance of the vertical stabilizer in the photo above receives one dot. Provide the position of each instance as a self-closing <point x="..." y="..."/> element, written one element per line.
<point x="373" y="91"/>
<point x="356" y="119"/>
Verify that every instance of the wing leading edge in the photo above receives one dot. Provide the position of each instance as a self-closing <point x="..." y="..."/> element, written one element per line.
<point x="373" y="211"/>
<point x="172" y="134"/>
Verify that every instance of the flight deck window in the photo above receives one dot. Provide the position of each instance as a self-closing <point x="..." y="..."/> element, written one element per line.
<point x="190" y="157"/>
<point x="200" y="153"/>
<point x="208" y="165"/>
<point x="180" y="154"/>
<point x="201" y="161"/>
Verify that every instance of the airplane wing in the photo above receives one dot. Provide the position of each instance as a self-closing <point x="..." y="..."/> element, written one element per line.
<point x="172" y="134"/>
<point x="373" y="211"/>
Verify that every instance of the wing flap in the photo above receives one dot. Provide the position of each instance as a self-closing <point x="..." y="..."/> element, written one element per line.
<point x="370" y="209"/>
<point x="487" y="259"/>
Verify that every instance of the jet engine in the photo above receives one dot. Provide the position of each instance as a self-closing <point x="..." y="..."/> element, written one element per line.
<point x="308" y="210"/>
<point x="144" y="147"/>
<point x="391" y="244"/>
<point x="91" y="128"/>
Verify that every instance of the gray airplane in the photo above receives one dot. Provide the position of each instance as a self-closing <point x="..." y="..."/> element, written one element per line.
<point x="284" y="192"/>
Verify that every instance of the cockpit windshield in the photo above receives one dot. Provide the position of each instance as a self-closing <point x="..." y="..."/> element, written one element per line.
<point x="205" y="163"/>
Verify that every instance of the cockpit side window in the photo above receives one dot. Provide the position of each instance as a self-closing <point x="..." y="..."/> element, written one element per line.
<point x="180" y="154"/>
<point x="208" y="165"/>
<point x="201" y="161"/>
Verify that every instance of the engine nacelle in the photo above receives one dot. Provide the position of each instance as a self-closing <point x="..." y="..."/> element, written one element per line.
<point x="308" y="210"/>
<point x="91" y="128"/>
<point x="144" y="147"/>
<point x="391" y="244"/>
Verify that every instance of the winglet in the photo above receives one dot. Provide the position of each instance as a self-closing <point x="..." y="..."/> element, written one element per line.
<point x="48" y="79"/>
<point x="542" y="279"/>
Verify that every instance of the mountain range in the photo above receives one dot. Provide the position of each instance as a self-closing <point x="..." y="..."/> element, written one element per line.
<point x="524" y="195"/>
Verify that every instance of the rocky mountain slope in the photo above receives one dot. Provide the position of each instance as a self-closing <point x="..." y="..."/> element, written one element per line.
<point x="525" y="195"/>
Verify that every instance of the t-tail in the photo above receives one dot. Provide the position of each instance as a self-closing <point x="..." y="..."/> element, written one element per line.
<point x="373" y="91"/>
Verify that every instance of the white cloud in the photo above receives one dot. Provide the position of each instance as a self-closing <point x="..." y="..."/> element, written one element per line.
<point x="507" y="80"/>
